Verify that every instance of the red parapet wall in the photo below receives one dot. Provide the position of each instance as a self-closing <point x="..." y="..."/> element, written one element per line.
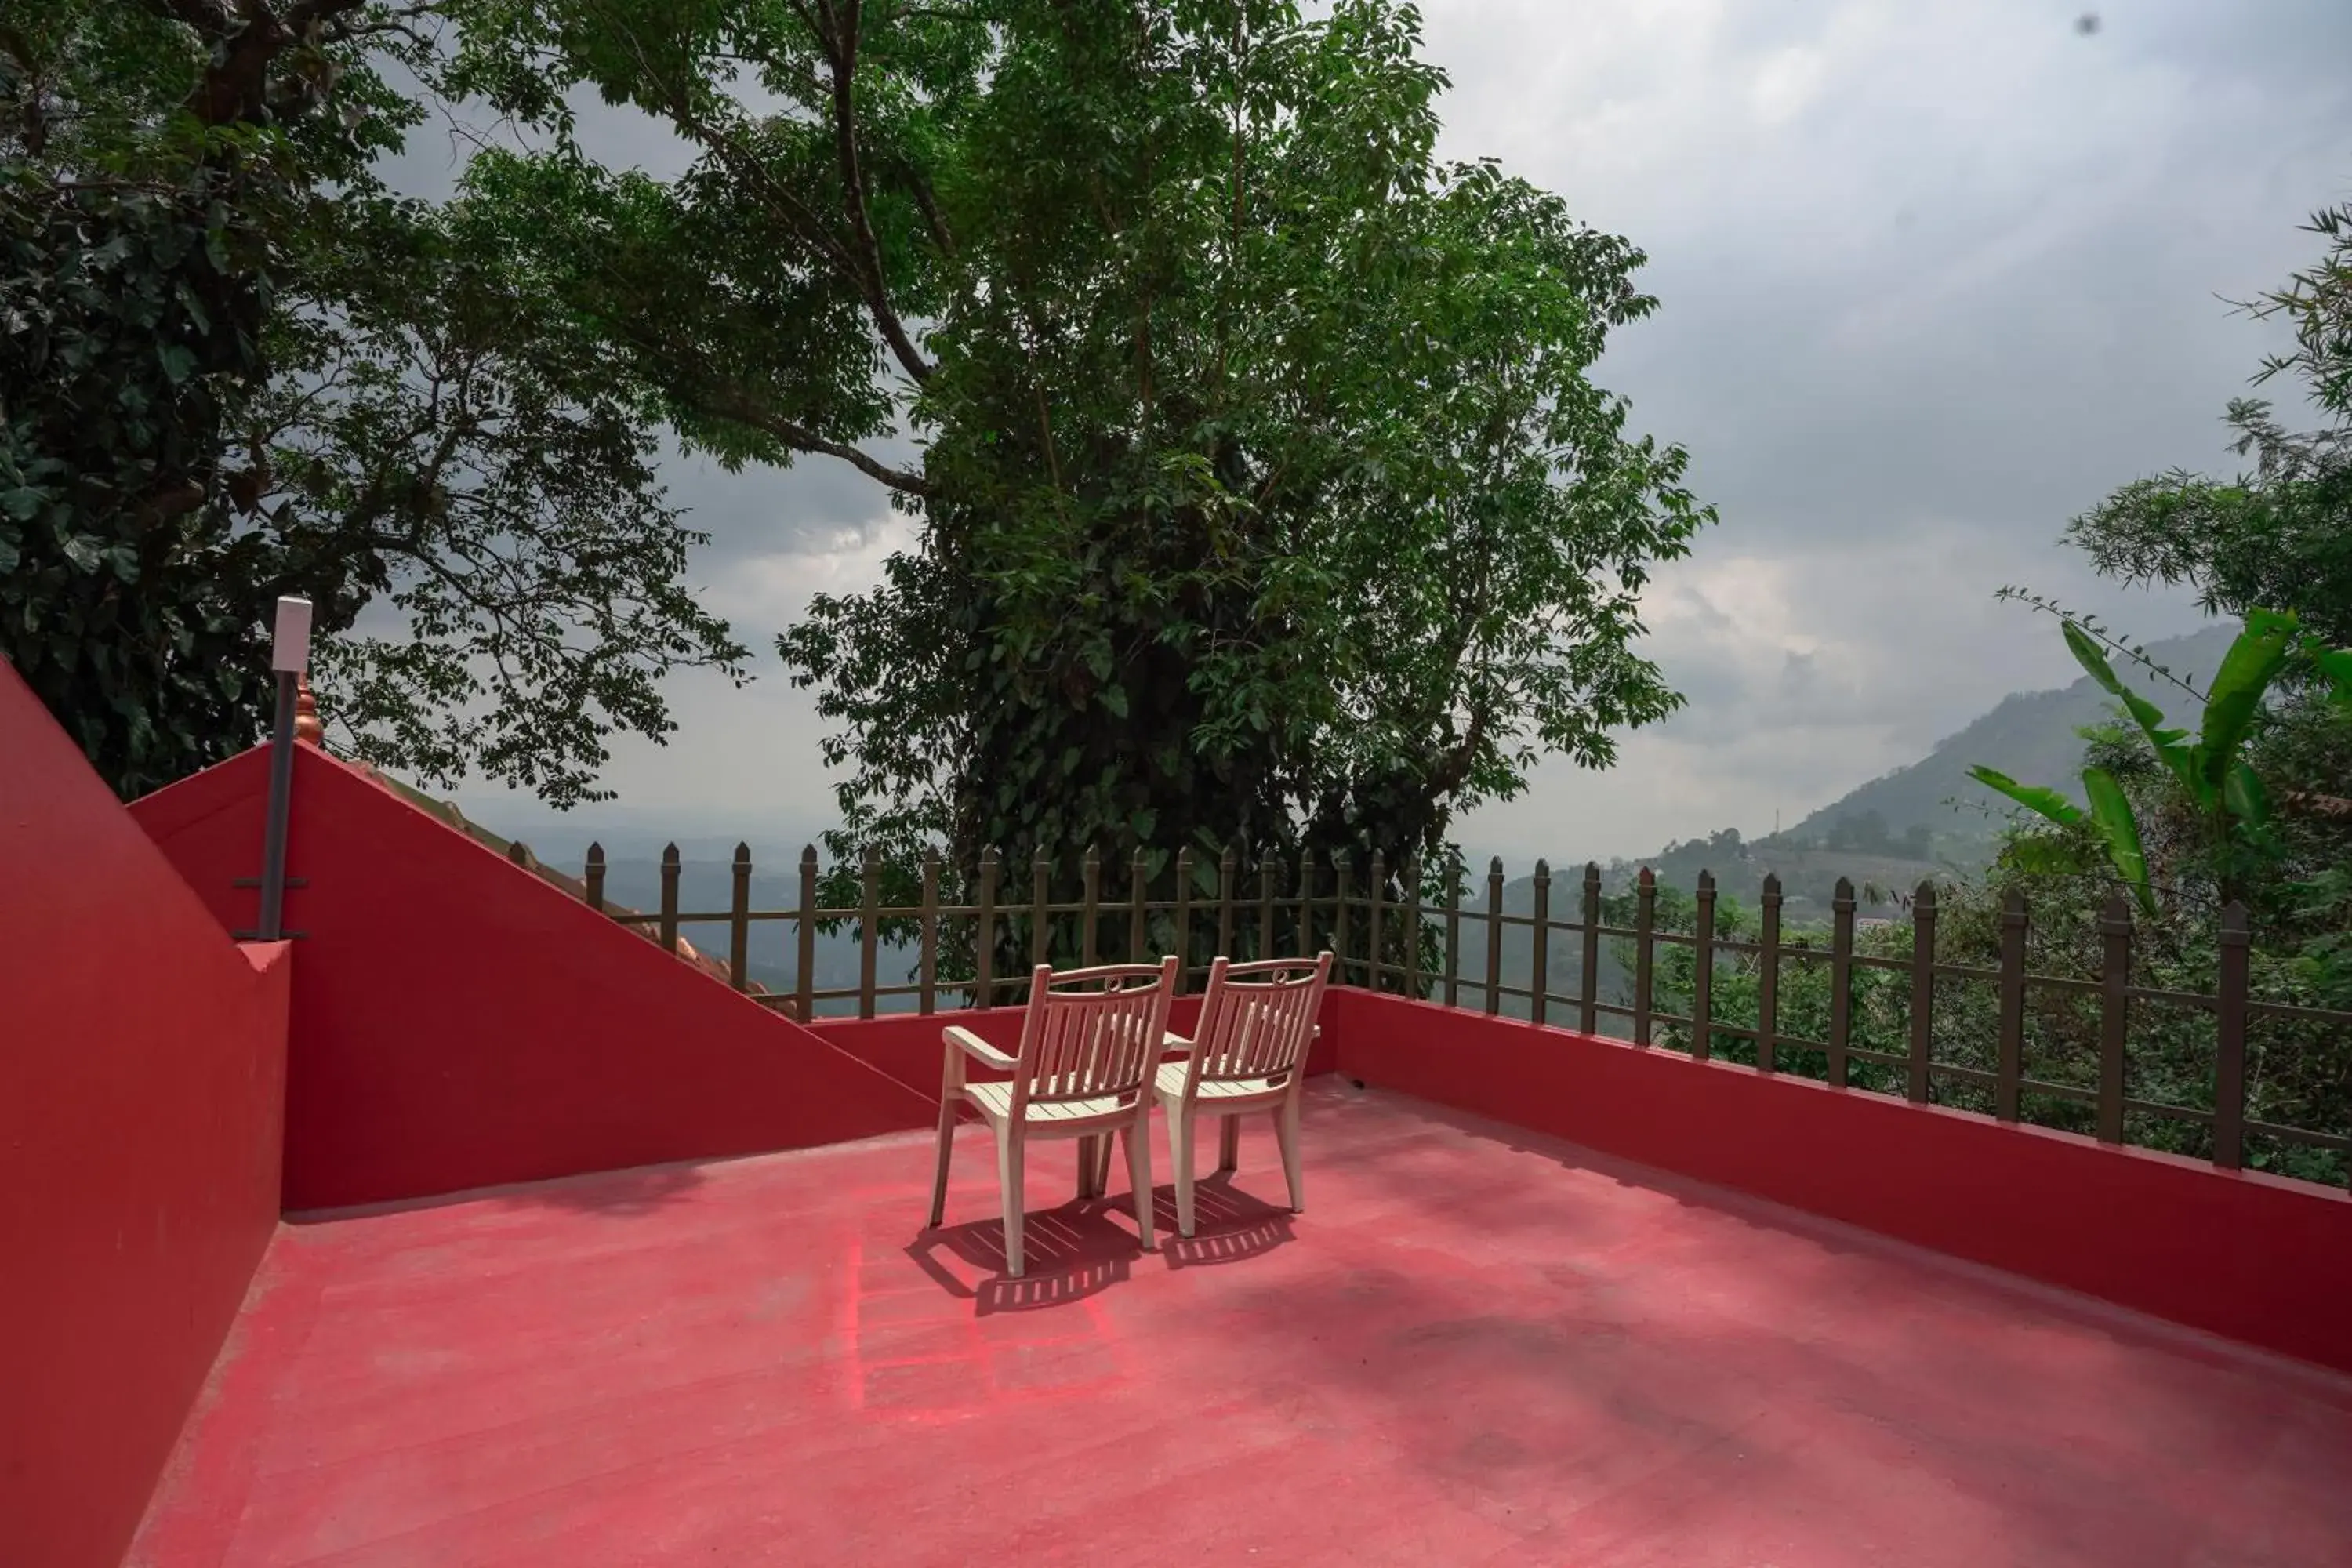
<point x="459" y="1023"/>
<point x="2256" y="1259"/>
<point x="142" y="1095"/>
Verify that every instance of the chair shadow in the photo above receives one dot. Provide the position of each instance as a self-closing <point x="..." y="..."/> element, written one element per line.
<point x="1088" y="1245"/>
<point x="1072" y="1252"/>
<point x="1228" y="1226"/>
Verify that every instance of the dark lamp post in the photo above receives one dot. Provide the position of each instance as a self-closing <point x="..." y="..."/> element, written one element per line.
<point x="289" y="655"/>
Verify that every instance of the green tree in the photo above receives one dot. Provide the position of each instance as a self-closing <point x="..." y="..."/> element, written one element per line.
<point x="2279" y="537"/>
<point x="238" y="367"/>
<point x="2224" y="792"/>
<point x="1264" y="493"/>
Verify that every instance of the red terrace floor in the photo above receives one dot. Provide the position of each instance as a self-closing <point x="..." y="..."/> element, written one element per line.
<point x="1474" y="1348"/>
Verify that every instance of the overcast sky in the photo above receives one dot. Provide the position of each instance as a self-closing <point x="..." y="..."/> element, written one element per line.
<point x="1935" y="278"/>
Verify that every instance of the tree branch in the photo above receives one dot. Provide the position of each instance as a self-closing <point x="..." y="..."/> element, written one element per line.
<point x="801" y="438"/>
<point x="937" y="221"/>
<point x="212" y="19"/>
<point x="247" y="41"/>
<point x="840" y="42"/>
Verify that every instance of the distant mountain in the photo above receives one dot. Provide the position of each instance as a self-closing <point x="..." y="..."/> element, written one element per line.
<point x="2031" y="736"/>
<point x="1920" y="821"/>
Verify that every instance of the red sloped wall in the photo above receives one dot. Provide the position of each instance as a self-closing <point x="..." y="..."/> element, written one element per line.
<point x="141" y="1083"/>
<point x="458" y="1023"/>
<point x="2253" y="1257"/>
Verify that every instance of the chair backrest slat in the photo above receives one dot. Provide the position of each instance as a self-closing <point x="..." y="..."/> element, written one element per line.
<point x="1257" y="1019"/>
<point x="1093" y="1033"/>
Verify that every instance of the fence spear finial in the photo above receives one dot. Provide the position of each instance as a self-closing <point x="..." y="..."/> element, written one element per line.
<point x="307" y="728"/>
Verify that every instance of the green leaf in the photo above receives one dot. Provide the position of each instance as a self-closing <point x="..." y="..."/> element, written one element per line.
<point x="2336" y="667"/>
<point x="2111" y="814"/>
<point x="2168" y="744"/>
<point x="2245" y="795"/>
<point x="2035" y="798"/>
<point x="1115" y="699"/>
<point x="2253" y="661"/>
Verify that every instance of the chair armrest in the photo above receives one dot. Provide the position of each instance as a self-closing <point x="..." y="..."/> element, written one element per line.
<point x="1173" y="1044"/>
<point x="977" y="1049"/>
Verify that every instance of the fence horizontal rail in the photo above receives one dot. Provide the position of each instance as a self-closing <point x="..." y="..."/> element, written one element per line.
<point x="1416" y="935"/>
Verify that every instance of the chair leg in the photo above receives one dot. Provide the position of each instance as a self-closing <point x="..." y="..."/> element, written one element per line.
<point x="1008" y="1181"/>
<point x="947" y="1151"/>
<point x="1179" y="1154"/>
<point x="1285" y="1132"/>
<point x="1229" y="1144"/>
<point x="1089" y="1167"/>
<point x="1102" y="1164"/>
<point x="1139" y="1175"/>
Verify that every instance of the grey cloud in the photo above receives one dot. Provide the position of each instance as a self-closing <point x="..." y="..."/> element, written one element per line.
<point x="1935" y="278"/>
<point x="817" y="505"/>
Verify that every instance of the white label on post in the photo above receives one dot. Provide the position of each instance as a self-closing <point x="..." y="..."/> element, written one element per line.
<point x="289" y="643"/>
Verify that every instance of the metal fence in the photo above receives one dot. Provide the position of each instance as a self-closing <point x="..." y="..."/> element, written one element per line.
<point x="1387" y="935"/>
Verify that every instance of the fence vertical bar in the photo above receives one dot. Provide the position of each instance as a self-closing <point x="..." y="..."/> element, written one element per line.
<point x="1841" y="979"/>
<point x="1768" y="976"/>
<point x="1412" y="928"/>
<point x="1090" y="906"/>
<point x="1041" y="885"/>
<point x="1923" y="990"/>
<point x="983" y="957"/>
<point x="1139" y="882"/>
<point x="1703" y="971"/>
<point x="1645" y="926"/>
<point x="1540" y="946"/>
<point x="805" y="978"/>
<point x="2114" y="1014"/>
<point x="2009" y="1062"/>
<point x="1494" y="934"/>
<point x="1455" y="867"/>
<point x="869" y="901"/>
<point x="738" y="922"/>
<point x="593" y="880"/>
<point x="1306" y="943"/>
<point x="1183" y="919"/>
<point x="2230" y="1055"/>
<point x="1588" y="984"/>
<point x="668" y="927"/>
<point x="927" y="953"/>
<point x="1339" y="921"/>
<point x="1267" y="871"/>
<point x="1229" y="868"/>
<point x="1376" y="893"/>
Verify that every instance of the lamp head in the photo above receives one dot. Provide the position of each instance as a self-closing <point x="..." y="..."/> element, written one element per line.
<point x="289" y="639"/>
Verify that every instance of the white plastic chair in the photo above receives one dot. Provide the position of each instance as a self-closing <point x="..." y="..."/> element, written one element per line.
<point x="1090" y="1041"/>
<point x="1248" y="1053"/>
